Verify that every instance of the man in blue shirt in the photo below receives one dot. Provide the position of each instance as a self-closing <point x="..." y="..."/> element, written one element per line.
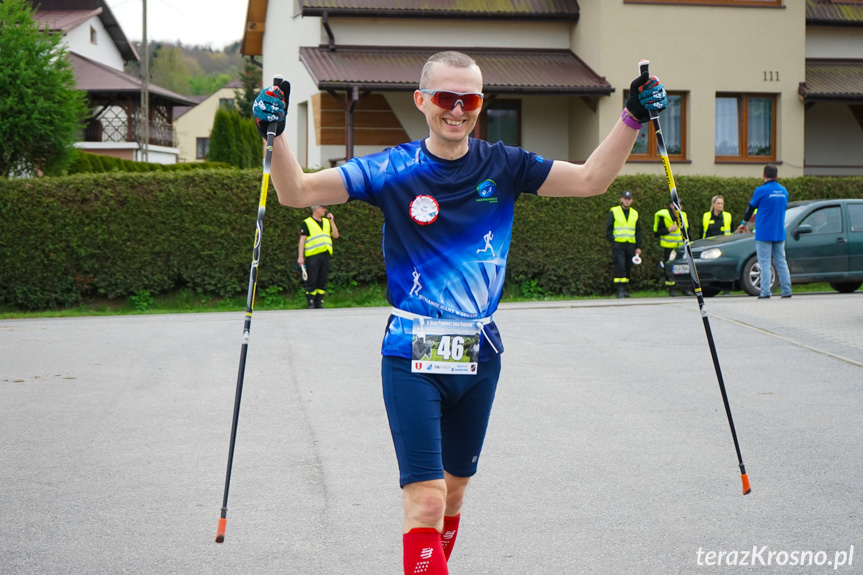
<point x="771" y="200"/>
<point x="448" y="204"/>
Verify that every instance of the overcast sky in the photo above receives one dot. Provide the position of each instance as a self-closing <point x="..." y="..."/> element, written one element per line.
<point x="212" y="23"/>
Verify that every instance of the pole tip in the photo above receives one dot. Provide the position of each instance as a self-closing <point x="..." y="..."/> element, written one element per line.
<point x="220" y="533"/>
<point x="746" y="489"/>
<point x="643" y="66"/>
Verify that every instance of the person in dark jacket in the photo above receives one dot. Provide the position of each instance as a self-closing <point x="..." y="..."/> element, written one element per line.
<point x="716" y="221"/>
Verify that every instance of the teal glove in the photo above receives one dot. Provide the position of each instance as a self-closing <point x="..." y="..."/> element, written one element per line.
<point x="646" y="95"/>
<point x="271" y="105"/>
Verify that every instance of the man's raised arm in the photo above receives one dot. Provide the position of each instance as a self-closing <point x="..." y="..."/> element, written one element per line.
<point x="604" y="164"/>
<point x="294" y="187"/>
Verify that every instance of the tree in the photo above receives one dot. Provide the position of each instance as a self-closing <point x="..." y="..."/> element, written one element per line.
<point x="171" y="69"/>
<point x="235" y="140"/>
<point x="252" y="142"/>
<point x="251" y="80"/>
<point x="42" y="113"/>
<point x="206" y="85"/>
<point x="223" y="139"/>
<point x="202" y="71"/>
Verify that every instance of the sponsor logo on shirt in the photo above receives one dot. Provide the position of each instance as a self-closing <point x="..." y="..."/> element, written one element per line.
<point x="486" y="190"/>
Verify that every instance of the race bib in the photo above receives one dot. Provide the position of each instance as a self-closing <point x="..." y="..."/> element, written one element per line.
<point x="445" y="346"/>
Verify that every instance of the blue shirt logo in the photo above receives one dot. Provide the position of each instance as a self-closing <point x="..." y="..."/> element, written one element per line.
<point x="486" y="188"/>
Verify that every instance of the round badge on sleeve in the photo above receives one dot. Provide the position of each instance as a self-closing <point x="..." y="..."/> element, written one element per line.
<point x="424" y="210"/>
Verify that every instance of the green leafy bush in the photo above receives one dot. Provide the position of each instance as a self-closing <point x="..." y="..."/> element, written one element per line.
<point x="87" y="163"/>
<point x="67" y="240"/>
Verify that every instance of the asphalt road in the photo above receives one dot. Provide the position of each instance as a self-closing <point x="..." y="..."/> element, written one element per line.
<point x="608" y="452"/>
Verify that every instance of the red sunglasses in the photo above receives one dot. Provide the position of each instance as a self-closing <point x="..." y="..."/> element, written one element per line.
<point x="449" y="100"/>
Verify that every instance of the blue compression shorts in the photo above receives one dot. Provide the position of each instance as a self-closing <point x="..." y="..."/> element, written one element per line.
<point x="437" y="421"/>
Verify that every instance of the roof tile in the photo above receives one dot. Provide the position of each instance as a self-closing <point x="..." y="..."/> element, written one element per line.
<point x="504" y="71"/>
<point x="834" y="13"/>
<point x="95" y="77"/>
<point x="833" y="80"/>
<point x="488" y="9"/>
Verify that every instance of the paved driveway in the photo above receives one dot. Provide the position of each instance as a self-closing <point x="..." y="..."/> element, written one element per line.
<point x="608" y="452"/>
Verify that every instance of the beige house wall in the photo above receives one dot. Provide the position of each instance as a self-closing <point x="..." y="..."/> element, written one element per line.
<point x="691" y="49"/>
<point x="447" y="33"/>
<point x="280" y="56"/>
<point x="834" y="141"/>
<point x="834" y="137"/>
<point x="584" y="130"/>
<point x="834" y="42"/>
<point x="198" y="123"/>
<point x="543" y="127"/>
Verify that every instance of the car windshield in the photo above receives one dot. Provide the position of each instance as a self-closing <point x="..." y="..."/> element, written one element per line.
<point x="792" y="212"/>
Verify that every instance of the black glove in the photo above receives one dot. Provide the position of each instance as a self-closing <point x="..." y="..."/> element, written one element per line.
<point x="271" y="105"/>
<point x="646" y="94"/>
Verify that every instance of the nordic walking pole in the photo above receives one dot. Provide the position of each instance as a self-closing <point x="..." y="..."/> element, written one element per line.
<point x="250" y="306"/>
<point x="675" y="199"/>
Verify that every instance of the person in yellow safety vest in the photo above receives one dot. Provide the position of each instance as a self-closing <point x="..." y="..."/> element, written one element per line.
<point x="670" y="236"/>
<point x="716" y="222"/>
<point x="316" y="246"/>
<point x="623" y="230"/>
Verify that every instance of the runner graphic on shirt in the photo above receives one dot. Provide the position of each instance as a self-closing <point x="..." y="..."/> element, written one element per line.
<point x="415" y="290"/>
<point x="488" y="237"/>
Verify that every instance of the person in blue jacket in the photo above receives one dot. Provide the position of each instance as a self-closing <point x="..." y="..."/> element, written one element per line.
<point x="771" y="200"/>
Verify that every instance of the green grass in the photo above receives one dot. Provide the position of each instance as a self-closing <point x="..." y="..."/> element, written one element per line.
<point x="274" y="298"/>
<point x="188" y="301"/>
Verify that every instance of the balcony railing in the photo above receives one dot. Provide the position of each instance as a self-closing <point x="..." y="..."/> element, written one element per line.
<point x="117" y="129"/>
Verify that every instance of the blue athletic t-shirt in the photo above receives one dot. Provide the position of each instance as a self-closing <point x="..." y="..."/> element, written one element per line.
<point x="771" y="200"/>
<point x="447" y="230"/>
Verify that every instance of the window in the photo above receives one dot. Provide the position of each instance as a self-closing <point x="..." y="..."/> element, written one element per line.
<point x="745" y="128"/>
<point x="226" y="103"/>
<point x="202" y="148"/>
<point x="673" y="121"/>
<point x="93" y="37"/>
<point x="825" y="221"/>
<point x="855" y="212"/>
<point x="501" y="121"/>
<point x="772" y="3"/>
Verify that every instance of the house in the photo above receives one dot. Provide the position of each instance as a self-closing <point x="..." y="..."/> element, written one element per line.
<point x="832" y="92"/>
<point x="98" y="48"/>
<point x="193" y="125"/>
<point x="740" y="76"/>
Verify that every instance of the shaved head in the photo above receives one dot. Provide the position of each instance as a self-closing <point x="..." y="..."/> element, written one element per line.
<point x="452" y="59"/>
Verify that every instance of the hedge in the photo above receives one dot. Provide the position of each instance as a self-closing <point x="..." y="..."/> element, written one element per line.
<point x="69" y="239"/>
<point x="87" y="163"/>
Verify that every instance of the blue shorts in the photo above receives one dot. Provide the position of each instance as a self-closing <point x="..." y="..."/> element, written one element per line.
<point x="437" y="421"/>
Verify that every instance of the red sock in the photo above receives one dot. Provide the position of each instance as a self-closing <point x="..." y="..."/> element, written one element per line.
<point x="447" y="537"/>
<point x="423" y="554"/>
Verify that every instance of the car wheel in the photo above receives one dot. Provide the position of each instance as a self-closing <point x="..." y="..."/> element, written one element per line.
<point x="846" y="287"/>
<point x="710" y="291"/>
<point x="750" y="279"/>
